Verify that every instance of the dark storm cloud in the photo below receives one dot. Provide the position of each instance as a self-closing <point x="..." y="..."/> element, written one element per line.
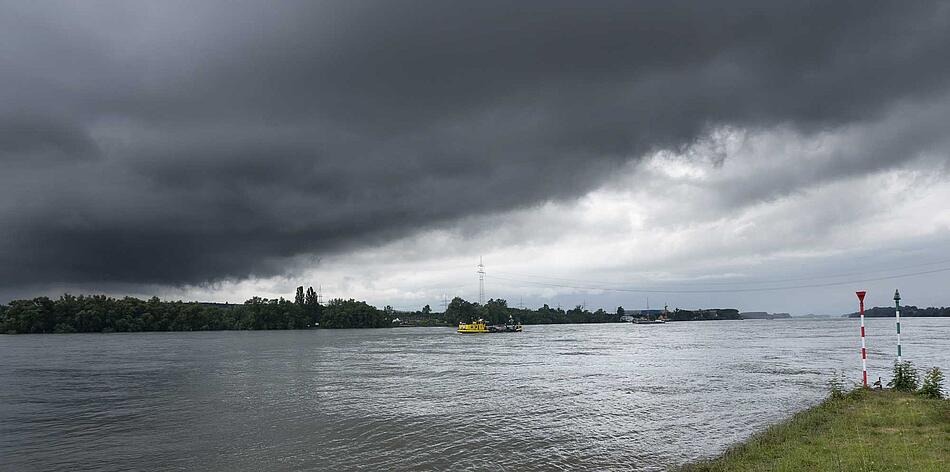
<point x="43" y="138"/>
<point x="184" y="143"/>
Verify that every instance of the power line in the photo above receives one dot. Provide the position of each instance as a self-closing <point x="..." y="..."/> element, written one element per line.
<point x="750" y="282"/>
<point x="757" y="289"/>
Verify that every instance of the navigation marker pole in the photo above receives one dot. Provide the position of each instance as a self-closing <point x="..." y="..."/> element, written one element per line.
<point x="864" y="351"/>
<point x="897" y="311"/>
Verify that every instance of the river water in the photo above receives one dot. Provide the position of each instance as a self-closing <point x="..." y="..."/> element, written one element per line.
<point x="566" y="397"/>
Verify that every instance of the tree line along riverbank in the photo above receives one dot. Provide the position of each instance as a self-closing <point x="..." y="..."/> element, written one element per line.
<point x="99" y="313"/>
<point x="908" y="311"/>
<point x="864" y="430"/>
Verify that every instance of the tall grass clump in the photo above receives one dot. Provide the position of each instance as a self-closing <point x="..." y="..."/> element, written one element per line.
<point x="836" y="388"/>
<point x="905" y="378"/>
<point x="933" y="384"/>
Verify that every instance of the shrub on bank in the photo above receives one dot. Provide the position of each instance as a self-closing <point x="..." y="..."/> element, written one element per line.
<point x="933" y="384"/>
<point x="836" y="387"/>
<point x="905" y="378"/>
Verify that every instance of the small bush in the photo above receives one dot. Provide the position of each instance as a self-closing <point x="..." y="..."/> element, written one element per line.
<point x="905" y="377"/>
<point x="933" y="384"/>
<point x="836" y="387"/>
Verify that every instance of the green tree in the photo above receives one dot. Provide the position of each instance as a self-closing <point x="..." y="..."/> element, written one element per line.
<point x="460" y="311"/>
<point x="496" y="311"/>
<point x="933" y="384"/>
<point x="312" y="307"/>
<point x="350" y="313"/>
<point x="905" y="377"/>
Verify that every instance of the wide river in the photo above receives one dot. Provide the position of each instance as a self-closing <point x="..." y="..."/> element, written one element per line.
<point x="567" y="397"/>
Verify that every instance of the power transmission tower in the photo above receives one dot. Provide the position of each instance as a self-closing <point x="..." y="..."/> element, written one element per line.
<point x="445" y="303"/>
<point x="481" y="282"/>
<point x="320" y="294"/>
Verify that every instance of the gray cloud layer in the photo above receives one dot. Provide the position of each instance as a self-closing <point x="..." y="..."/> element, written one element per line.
<point x="178" y="143"/>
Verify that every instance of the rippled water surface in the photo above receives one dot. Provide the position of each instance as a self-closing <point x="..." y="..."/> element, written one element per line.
<point x="568" y="397"/>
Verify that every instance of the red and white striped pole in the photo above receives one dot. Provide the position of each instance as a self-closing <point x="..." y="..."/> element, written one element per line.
<point x="864" y="351"/>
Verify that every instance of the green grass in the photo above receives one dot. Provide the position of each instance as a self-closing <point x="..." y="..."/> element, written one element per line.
<point x="864" y="431"/>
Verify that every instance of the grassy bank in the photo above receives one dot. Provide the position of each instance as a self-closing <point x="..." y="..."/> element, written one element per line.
<point x="864" y="431"/>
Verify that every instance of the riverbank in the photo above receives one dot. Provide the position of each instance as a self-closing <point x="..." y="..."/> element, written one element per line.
<point x="864" y="431"/>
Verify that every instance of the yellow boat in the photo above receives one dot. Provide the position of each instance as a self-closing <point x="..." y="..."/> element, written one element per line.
<point x="481" y="326"/>
<point x="478" y="326"/>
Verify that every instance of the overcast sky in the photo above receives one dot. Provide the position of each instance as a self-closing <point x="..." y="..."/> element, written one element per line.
<point x="758" y="155"/>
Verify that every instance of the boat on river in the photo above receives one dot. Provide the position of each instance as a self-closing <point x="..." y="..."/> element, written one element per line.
<point x="481" y="326"/>
<point x="644" y="319"/>
<point x="512" y="327"/>
<point x="477" y="326"/>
